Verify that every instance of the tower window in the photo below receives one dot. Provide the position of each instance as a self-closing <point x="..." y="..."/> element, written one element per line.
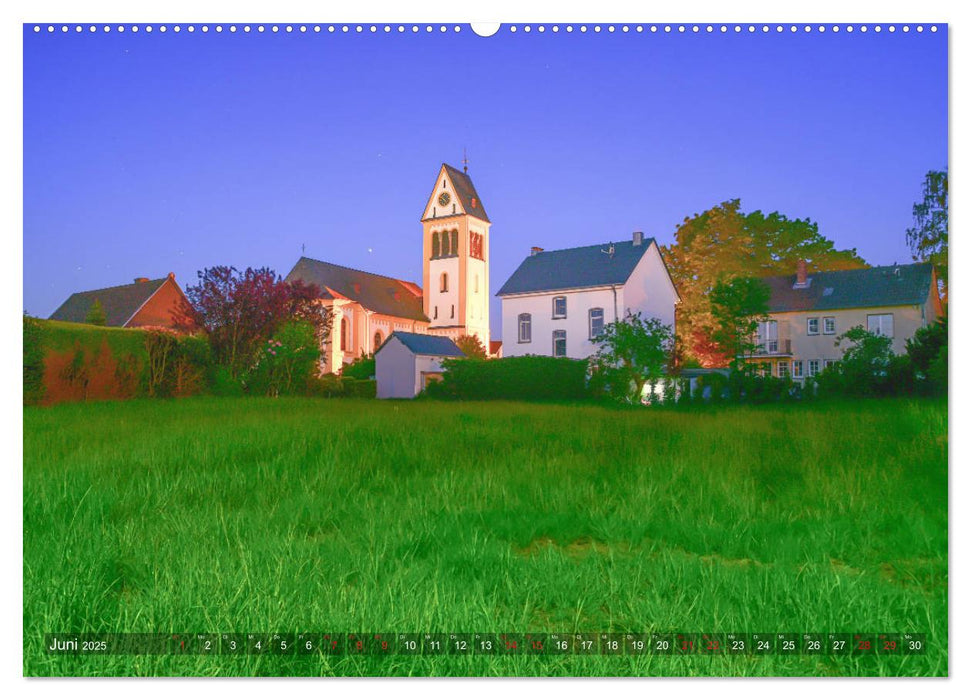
<point x="453" y="207"/>
<point x="435" y="315"/>
<point x="443" y="287"/>
<point x="345" y="341"/>
<point x="453" y="311"/>
<point x="455" y="241"/>
<point x="475" y="287"/>
<point x="436" y="245"/>
<point x="377" y="340"/>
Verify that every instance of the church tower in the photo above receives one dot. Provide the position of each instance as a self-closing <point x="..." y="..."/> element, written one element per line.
<point x="455" y="266"/>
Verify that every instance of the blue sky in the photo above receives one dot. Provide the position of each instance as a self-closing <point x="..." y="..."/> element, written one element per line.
<point x="150" y="153"/>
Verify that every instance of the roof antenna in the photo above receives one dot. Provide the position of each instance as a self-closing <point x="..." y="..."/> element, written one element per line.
<point x="465" y="161"/>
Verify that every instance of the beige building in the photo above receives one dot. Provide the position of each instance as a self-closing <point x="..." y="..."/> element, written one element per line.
<point x="807" y="312"/>
<point x="454" y="300"/>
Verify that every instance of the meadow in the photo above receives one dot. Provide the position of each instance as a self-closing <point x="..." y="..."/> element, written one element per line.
<point x="298" y="515"/>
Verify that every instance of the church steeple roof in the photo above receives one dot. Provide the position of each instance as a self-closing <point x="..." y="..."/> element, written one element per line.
<point x="465" y="191"/>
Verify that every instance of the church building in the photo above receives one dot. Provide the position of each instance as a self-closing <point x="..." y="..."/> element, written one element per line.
<point x="454" y="297"/>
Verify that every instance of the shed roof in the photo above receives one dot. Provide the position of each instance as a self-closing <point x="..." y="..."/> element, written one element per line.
<point x="424" y="344"/>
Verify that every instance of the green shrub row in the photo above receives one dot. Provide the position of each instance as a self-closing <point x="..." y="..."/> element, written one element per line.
<point x="526" y="378"/>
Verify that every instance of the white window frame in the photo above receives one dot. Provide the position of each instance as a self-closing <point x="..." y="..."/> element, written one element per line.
<point x="555" y="299"/>
<point x="561" y="333"/>
<point x="525" y="321"/>
<point x="797" y="364"/>
<point x="590" y="321"/>
<point x="809" y="329"/>
<point x="828" y="363"/>
<point x="880" y="321"/>
<point x="829" y="322"/>
<point x="812" y="368"/>
<point x="778" y="368"/>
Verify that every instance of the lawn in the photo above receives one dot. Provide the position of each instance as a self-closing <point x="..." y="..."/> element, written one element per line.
<point x="303" y="515"/>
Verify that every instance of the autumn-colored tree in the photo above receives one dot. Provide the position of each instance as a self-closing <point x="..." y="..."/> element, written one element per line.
<point x="928" y="237"/>
<point x="723" y="243"/>
<point x="242" y="310"/>
<point x="471" y="346"/>
<point x="96" y="314"/>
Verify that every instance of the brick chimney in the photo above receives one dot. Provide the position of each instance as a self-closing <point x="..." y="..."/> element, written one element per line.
<point x="140" y="280"/>
<point x="534" y="250"/>
<point x="171" y="275"/>
<point x="638" y="238"/>
<point x="801" y="273"/>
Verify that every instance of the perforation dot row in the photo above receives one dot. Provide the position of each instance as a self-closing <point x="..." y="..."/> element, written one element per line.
<point x="414" y="28"/>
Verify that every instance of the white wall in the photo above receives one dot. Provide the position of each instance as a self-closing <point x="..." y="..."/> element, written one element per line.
<point x="650" y="290"/>
<point x="394" y="371"/>
<point x="443" y="301"/>
<point x="576" y="323"/>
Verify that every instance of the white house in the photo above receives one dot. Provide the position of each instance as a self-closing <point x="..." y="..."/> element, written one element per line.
<point x="407" y="362"/>
<point x="557" y="301"/>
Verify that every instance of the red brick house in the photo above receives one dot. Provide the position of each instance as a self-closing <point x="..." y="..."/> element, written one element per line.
<point x="144" y="303"/>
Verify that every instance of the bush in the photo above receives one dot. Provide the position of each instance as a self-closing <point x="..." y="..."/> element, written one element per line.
<point x="526" y="378"/>
<point x="286" y="361"/>
<point x="328" y="386"/>
<point x="33" y="360"/>
<point x="224" y="384"/>
<point x="361" y="368"/>
<point x="360" y="388"/>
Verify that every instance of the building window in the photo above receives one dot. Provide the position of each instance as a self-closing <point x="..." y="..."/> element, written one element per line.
<point x="435" y="314"/>
<point x="829" y="325"/>
<point x="525" y="328"/>
<point x="813" y="368"/>
<point x="769" y="340"/>
<point x="453" y="311"/>
<point x="436" y="246"/>
<point x="455" y="241"/>
<point x="559" y="307"/>
<point x="377" y="340"/>
<point x="443" y="286"/>
<point x="828" y="363"/>
<point x="345" y="341"/>
<point x="596" y="322"/>
<point x="559" y="343"/>
<point x="783" y="366"/>
<point x="881" y="324"/>
<point x="475" y="284"/>
<point x="797" y="369"/>
<point x="812" y="326"/>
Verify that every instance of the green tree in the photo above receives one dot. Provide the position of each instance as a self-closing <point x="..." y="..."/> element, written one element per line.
<point x="927" y="344"/>
<point x="287" y="361"/>
<point x="738" y="305"/>
<point x="724" y="242"/>
<point x="631" y="352"/>
<point x="96" y="314"/>
<point x="927" y="238"/>
<point x="471" y="346"/>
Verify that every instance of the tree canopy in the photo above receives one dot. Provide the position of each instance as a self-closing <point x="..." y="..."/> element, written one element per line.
<point x="738" y="305"/>
<point x="724" y="243"/>
<point x="96" y="314"/>
<point x="927" y="238"/>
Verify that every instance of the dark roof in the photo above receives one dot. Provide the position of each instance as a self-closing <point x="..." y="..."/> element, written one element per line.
<point x="424" y="344"/>
<point x="383" y="295"/>
<point x="471" y="201"/>
<point x="573" y="268"/>
<point x="119" y="303"/>
<point x="892" y="285"/>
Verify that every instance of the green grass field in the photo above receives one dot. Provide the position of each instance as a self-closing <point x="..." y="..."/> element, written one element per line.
<point x="300" y="515"/>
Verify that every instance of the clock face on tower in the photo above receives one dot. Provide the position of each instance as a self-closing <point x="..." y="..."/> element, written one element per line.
<point x="444" y="198"/>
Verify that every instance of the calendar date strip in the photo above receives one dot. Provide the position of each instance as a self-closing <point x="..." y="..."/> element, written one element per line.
<point x="491" y="644"/>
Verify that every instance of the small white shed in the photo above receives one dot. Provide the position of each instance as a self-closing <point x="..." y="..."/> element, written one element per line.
<point x="406" y="362"/>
